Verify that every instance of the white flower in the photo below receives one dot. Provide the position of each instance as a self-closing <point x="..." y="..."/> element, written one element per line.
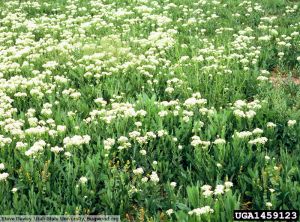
<point x="61" y="128"/>
<point x="144" y="179"/>
<point x="262" y="78"/>
<point x="151" y="135"/>
<point x="169" y="212"/>
<point x="138" y="124"/>
<point x="134" y="134"/>
<point x="269" y="204"/>
<point x="133" y="189"/>
<point x="219" y="141"/>
<point x="67" y="154"/>
<point x="143" y="152"/>
<point x="219" y="189"/>
<point x="186" y="119"/>
<point x="259" y="140"/>
<point x="271" y="125"/>
<point x="4" y="140"/>
<point x="228" y="184"/>
<point x="154" y="177"/>
<point x="20" y="145"/>
<point x="173" y="184"/>
<point x="206" y="187"/>
<point x="257" y="131"/>
<point x="207" y="193"/>
<point x="14" y="189"/>
<point x="56" y="149"/>
<point x="37" y="147"/>
<point x="108" y="143"/>
<point x="243" y="134"/>
<point x="197" y="141"/>
<point x="194" y="101"/>
<point x="100" y="101"/>
<point x="250" y="114"/>
<point x="76" y="140"/>
<point x="83" y="180"/>
<point x="169" y="89"/>
<point x="142" y="139"/>
<point x="200" y="211"/>
<point x="3" y="176"/>
<point x="292" y="122"/>
<point x="240" y="104"/>
<point x="281" y="54"/>
<point x="138" y="171"/>
<point x="161" y="133"/>
<point x="267" y="158"/>
<point x="2" y="167"/>
<point x="122" y="139"/>
<point x="163" y="113"/>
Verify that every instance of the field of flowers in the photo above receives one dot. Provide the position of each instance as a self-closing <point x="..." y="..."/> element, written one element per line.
<point x="154" y="110"/>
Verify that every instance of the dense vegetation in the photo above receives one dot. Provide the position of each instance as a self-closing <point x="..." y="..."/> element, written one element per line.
<point x="155" y="110"/>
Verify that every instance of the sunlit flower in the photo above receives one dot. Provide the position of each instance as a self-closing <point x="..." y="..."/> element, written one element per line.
<point x="173" y="184"/>
<point x="138" y="171"/>
<point x="291" y="123"/>
<point x="14" y="189"/>
<point x="269" y="204"/>
<point x="3" y="176"/>
<point x="154" y="177"/>
<point x="200" y="211"/>
<point x="2" y="167"/>
<point x="219" y="189"/>
<point x="83" y="180"/>
<point x="169" y="212"/>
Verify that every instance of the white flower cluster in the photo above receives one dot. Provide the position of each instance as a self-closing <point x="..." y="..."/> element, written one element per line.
<point x="195" y="100"/>
<point x="57" y="149"/>
<point x="83" y="180"/>
<point x="196" y="141"/>
<point x="271" y="125"/>
<point x="220" y="189"/>
<point x="4" y="141"/>
<point x="200" y="211"/>
<point x="37" y="147"/>
<point x="138" y="171"/>
<point x="3" y="176"/>
<point x="291" y="123"/>
<point x="259" y="140"/>
<point x="123" y="142"/>
<point x="117" y="110"/>
<point x="115" y="55"/>
<point x="136" y="136"/>
<point x="154" y="177"/>
<point x="257" y="131"/>
<point x="219" y="141"/>
<point x="243" y="109"/>
<point x="76" y="140"/>
<point x="108" y="143"/>
<point x="243" y="134"/>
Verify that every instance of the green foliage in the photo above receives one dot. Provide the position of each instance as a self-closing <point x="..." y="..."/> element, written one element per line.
<point x="136" y="107"/>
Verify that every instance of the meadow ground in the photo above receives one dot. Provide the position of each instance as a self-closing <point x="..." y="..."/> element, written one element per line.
<point x="155" y="110"/>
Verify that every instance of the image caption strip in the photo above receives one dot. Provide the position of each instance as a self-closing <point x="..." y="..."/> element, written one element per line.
<point x="266" y="215"/>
